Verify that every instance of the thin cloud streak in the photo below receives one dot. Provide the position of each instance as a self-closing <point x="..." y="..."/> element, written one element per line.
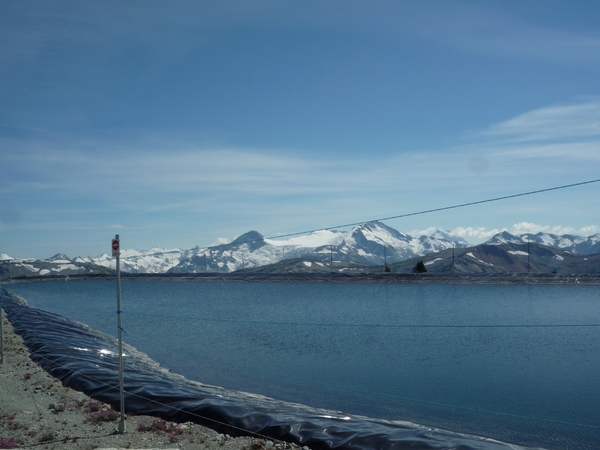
<point x="557" y="122"/>
<point x="580" y="151"/>
<point x="526" y="227"/>
<point x="474" y="28"/>
<point x="477" y="235"/>
<point x="246" y="170"/>
<point x="170" y="176"/>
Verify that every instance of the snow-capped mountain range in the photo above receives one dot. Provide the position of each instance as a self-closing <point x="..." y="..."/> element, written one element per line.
<point x="575" y="244"/>
<point x="372" y="243"/>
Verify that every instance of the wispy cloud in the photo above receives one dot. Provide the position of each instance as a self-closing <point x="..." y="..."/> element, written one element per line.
<point x="562" y="142"/>
<point x="527" y="227"/>
<point x="70" y="182"/>
<point x="178" y="169"/>
<point x="251" y="171"/>
<point x="573" y="121"/>
<point x="472" y="235"/>
<point x="476" y="235"/>
<point x="575" y="151"/>
<point x="491" y="32"/>
<point x="170" y="175"/>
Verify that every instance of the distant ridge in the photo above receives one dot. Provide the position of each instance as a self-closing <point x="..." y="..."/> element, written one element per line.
<point x="363" y="249"/>
<point x="512" y="257"/>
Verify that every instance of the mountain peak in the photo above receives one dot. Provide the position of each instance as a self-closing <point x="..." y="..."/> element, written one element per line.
<point x="447" y="236"/>
<point x="59" y="257"/>
<point x="378" y="231"/>
<point x="253" y="239"/>
<point x="504" y="237"/>
<point x="371" y="243"/>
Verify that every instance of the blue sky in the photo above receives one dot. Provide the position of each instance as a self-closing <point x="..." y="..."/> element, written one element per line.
<point x="178" y="124"/>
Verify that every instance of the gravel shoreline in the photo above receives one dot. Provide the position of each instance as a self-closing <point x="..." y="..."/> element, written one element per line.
<point x="36" y="410"/>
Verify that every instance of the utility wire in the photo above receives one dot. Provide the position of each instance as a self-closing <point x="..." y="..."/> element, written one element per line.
<point x="444" y="208"/>
<point x="418" y="213"/>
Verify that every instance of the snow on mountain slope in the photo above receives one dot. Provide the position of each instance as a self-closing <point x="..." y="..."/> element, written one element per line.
<point x="60" y="257"/>
<point x="504" y="238"/>
<point x="312" y="240"/>
<point x="58" y="264"/>
<point x="253" y="250"/>
<point x="574" y="244"/>
<point x="371" y="243"/>
<point x="155" y="260"/>
<point x="444" y="235"/>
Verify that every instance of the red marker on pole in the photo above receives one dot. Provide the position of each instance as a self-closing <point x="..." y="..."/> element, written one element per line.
<point x="115" y="246"/>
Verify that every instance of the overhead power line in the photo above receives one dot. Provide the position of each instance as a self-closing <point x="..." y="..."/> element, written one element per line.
<point x="426" y="211"/>
<point x="443" y="208"/>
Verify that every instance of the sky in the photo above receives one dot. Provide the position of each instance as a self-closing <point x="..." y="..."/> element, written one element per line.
<point x="177" y="124"/>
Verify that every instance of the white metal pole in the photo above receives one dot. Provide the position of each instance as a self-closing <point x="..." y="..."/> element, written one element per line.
<point x="122" y="396"/>
<point x="384" y="259"/>
<point x="453" y="257"/>
<point x="331" y="258"/>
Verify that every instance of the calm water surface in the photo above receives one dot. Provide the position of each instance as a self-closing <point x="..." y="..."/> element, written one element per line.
<point x="517" y="363"/>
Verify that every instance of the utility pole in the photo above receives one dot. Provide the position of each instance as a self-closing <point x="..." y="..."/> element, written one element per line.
<point x="386" y="269"/>
<point x="331" y="258"/>
<point x="116" y="251"/>
<point x="384" y="258"/>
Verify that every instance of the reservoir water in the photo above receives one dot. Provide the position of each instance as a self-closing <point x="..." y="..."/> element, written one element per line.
<point x="517" y="363"/>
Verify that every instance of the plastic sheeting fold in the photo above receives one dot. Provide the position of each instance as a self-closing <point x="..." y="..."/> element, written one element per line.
<point x="86" y="360"/>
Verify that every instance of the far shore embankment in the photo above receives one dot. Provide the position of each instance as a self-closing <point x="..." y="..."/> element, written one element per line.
<point x="334" y="277"/>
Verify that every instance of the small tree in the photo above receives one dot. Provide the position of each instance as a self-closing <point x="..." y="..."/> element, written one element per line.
<point x="420" y="267"/>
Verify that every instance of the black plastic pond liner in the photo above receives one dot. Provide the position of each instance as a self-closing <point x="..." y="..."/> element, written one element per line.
<point x="85" y="359"/>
